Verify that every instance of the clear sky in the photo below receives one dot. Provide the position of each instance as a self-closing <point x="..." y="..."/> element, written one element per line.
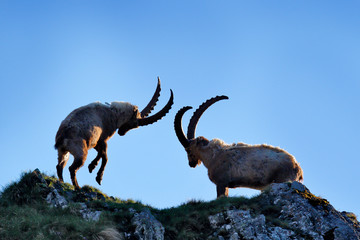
<point x="291" y="70"/>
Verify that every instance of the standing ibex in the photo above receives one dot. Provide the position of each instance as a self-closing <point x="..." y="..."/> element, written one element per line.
<point x="91" y="126"/>
<point x="235" y="165"/>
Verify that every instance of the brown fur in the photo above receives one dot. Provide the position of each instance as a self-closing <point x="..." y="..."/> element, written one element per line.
<point x="91" y="126"/>
<point x="243" y="165"/>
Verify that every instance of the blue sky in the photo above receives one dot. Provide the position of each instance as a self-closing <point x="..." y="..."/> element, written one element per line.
<point x="290" y="68"/>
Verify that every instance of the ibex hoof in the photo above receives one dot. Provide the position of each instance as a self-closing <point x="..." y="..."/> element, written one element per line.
<point x="91" y="168"/>
<point x="98" y="180"/>
<point x="76" y="186"/>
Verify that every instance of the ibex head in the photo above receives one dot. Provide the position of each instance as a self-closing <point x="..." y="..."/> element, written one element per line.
<point x="141" y="118"/>
<point x="192" y="145"/>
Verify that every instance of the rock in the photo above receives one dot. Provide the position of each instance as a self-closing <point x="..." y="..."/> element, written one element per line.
<point x="56" y="200"/>
<point x="301" y="216"/>
<point x="88" y="214"/>
<point x="132" y="211"/>
<point x="314" y="216"/>
<point x="147" y="227"/>
<point x="298" y="186"/>
<point x="39" y="177"/>
<point x="240" y="224"/>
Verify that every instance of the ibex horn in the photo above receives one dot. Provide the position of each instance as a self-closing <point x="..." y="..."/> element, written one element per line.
<point x="146" y="111"/>
<point x="197" y="114"/>
<point x="178" y="126"/>
<point x="159" y="115"/>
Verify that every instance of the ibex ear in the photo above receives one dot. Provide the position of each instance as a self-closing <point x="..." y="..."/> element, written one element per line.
<point x="201" y="141"/>
<point x="135" y="113"/>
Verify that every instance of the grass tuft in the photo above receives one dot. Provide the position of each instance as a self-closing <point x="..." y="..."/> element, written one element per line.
<point x="43" y="222"/>
<point x="24" y="191"/>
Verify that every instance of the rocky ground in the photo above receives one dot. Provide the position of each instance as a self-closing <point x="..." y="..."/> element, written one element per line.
<point x="303" y="216"/>
<point x="283" y="211"/>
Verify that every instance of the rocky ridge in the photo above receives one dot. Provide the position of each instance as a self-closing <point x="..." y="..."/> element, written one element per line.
<point x="283" y="211"/>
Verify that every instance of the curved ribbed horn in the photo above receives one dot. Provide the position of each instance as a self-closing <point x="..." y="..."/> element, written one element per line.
<point x="146" y="111"/>
<point x="178" y="126"/>
<point x="197" y="114"/>
<point x="159" y="115"/>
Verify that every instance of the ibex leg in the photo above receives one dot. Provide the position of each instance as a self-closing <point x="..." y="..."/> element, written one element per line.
<point x="222" y="191"/>
<point x="79" y="160"/>
<point x="63" y="157"/>
<point x="104" y="160"/>
<point x="95" y="162"/>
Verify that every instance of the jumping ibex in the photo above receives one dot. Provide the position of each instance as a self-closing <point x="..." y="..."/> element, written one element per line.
<point x="235" y="165"/>
<point x="91" y="126"/>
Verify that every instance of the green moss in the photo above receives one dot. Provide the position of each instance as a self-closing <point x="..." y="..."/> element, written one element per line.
<point x="313" y="200"/>
<point x="352" y="216"/>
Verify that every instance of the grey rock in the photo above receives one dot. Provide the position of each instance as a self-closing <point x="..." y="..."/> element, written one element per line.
<point x="147" y="226"/>
<point x="298" y="186"/>
<point x="56" y="200"/>
<point x="240" y="224"/>
<point x="301" y="216"/>
<point x="234" y="236"/>
<point x="280" y="233"/>
<point x="313" y="216"/>
<point x="132" y="211"/>
<point x="88" y="214"/>
<point x="39" y="176"/>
